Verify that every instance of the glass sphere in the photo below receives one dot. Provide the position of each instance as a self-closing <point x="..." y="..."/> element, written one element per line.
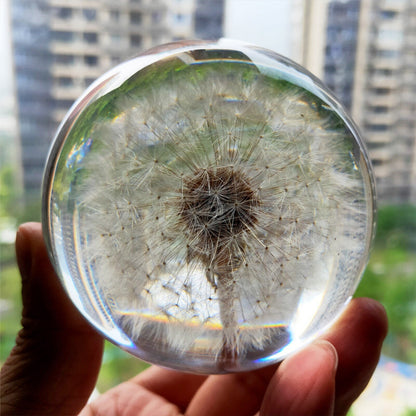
<point x="208" y="207"/>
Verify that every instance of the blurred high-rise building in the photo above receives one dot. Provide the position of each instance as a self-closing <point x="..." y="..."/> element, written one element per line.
<point x="180" y="21"/>
<point x="340" y="49"/>
<point x="363" y="49"/>
<point x="370" y="65"/>
<point x="89" y="37"/>
<point x="209" y="15"/>
<point x="384" y="95"/>
<point x="30" y="38"/>
<point x="60" y="47"/>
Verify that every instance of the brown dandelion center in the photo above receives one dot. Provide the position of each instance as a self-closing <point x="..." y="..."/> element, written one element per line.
<point x="217" y="205"/>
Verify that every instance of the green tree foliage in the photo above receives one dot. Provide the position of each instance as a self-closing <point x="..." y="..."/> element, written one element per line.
<point x="9" y="191"/>
<point x="396" y="227"/>
<point x="391" y="278"/>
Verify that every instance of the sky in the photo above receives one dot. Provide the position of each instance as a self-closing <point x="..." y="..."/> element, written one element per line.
<point x="5" y="49"/>
<point x="8" y="121"/>
<point x="261" y="22"/>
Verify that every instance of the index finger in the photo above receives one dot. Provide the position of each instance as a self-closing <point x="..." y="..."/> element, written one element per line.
<point x="176" y="387"/>
<point x="358" y="337"/>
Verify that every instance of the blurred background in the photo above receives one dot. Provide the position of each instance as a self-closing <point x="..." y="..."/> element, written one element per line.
<point x="364" y="51"/>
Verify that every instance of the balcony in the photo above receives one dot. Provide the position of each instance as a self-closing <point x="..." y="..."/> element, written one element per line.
<point x="381" y="171"/>
<point x="373" y="118"/>
<point x="74" y="48"/>
<point x="79" y="68"/>
<point x="396" y="5"/>
<point x="61" y="93"/>
<point x="374" y="98"/>
<point x="378" y="138"/>
<point x="385" y="62"/>
<point x="384" y="81"/>
<point x="382" y="154"/>
<point x="75" y="25"/>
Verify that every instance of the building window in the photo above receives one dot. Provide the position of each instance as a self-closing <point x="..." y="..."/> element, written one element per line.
<point x="64" y="59"/>
<point x="136" y="40"/>
<point x="89" y="81"/>
<point x="64" y="104"/>
<point x="62" y="36"/>
<point x="135" y="18"/>
<point x="90" y="37"/>
<point x="386" y="72"/>
<point x="390" y="35"/>
<point x="375" y="145"/>
<point x="377" y="127"/>
<point x="377" y="162"/>
<point x="114" y="15"/>
<point x="115" y="38"/>
<point x="91" y="60"/>
<point x="89" y="14"/>
<point x="330" y="68"/>
<point x="156" y="17"/>
<point x="179" y="18"/>
<point x="379" y="109"/>
<point x="388" y="14"/>
<point x="65" y="81"/>
<point x="62" y="12"/>
<point x="382" y="91"/>
<point x="389" y="53"/>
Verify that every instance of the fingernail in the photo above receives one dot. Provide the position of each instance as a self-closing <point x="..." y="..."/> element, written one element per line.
<point x="23" y="251"/>
<point x="329" y="348"/>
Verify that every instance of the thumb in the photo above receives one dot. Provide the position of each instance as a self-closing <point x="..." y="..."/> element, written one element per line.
<point x="304" y="384"/>
<point x="54" y="365"/>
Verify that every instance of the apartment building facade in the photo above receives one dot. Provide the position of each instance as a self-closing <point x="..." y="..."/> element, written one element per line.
<point x="384" y="95"/>
<point x="61" y="47"/>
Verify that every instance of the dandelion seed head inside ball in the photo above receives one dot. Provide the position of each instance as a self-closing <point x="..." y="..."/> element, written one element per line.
<point x="218" y="207"/>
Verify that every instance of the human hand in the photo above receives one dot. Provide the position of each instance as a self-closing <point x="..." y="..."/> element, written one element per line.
<point x="54" y="365"/>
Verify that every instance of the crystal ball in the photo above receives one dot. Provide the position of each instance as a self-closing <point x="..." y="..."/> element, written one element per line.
<point x="208" y="207"/>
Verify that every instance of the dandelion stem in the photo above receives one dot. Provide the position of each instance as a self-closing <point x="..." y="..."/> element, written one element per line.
<point x="226" y="295"/>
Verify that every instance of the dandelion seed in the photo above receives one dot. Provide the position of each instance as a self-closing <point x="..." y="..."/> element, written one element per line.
<point x="222" y="214"/>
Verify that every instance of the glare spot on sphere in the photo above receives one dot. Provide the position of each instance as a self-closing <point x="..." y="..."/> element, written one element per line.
<point x="209" y="207"/>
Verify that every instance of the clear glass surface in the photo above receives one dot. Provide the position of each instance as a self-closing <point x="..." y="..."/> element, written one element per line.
<point x="208" y="206"/>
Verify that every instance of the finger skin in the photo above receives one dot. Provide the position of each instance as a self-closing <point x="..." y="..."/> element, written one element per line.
<point x="231" y="394"/>
<point x="177" y="387"/>
<point x="358" y="337"/>
<point x="304" y="384"/>
<point x="54" y="365"/>
<point x="155" y="391"/>
<point x="130" y="399"/>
